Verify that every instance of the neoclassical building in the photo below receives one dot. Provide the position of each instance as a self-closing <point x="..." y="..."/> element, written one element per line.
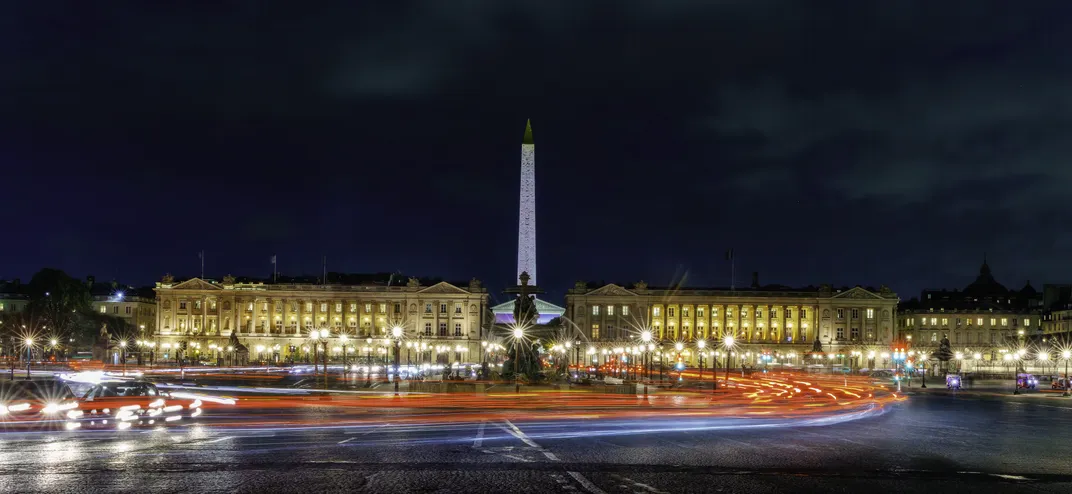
<point x="760" y="318"/>
<point x="440" y="323"/>
<point x="984" y="318"/>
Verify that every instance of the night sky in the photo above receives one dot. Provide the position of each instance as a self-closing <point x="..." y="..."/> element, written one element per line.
<point x="840" y="142"/>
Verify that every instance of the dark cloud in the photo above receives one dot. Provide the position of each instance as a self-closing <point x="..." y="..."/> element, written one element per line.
<point x="871" y="142"/>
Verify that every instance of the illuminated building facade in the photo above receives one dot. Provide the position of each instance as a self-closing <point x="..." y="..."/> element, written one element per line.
<point x="441" y="322"/>
<point x="984" y="318"/>
<point x="776" y="318"/>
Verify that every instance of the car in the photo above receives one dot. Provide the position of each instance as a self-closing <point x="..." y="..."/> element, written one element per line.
<point x="126" y="404"/>
<point x="953" y="381"/>
<point x="1026" y="381"/>
<point x="38" y="404"/>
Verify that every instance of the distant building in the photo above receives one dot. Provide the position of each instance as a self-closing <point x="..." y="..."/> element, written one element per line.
<point x="985" y="317"/>
<point x="12" y="297"/>
<point x="441" y="322"/>
<point x="770" y="318"/>
<point x="136" y="306"/>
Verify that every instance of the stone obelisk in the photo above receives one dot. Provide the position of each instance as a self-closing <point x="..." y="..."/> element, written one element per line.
<point x="526" y="222"/>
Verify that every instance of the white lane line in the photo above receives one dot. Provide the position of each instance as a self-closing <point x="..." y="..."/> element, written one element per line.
<point x="643" y="486"/>
<point x="218" y="440"/>
<point x="344" y="441"/>
<point x="587" y="484"/>
<point x="479" y="435"/>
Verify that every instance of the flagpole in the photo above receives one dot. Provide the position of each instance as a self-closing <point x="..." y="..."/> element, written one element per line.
<point x="202" y="263"/>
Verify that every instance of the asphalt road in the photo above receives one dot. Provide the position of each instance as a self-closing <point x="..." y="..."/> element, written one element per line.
<point x="929" y="442"/>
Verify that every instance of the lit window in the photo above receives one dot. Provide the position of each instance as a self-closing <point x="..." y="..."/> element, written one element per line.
<point x="264" y="307"/>
<point x="744" y="311"/>
<point x="595" y="331"/>
<point x="338" y="306"/>
<point x="699" y="312"/>
<point x="308" y="307"/>
<point x="803" y="313"/>
<point x="625" y="310"/>
<point x="1" y="306"/>
<point x="323" y="306"/>
<point x="656" y="311"/>
<point x="945" y="321"/>
<point x="197" y="304"/>
<point x="610" y="310"/>
<point x="788" y="313"/>
<point x="104" y="310"/>
<point x="841" y="313"/>
<point x="934" y="321"/>
<point x="368" y="307"/>
<point x="595" y="310"/>
<point x="871" y="314"/>
<point x="383" y="308"/>
<point x="1027" y="323"/>
<point x="729" y="312"/>
<point x="979" y="321"/>
<point x="212" y="305"/>
<point x="773" y="313"/>
<point x="427" y="308"/>
<point x="934" y="337"/>
<point x="993" y="321"/>
<point x="684" y="312"/>
<point x="669" y="312"/>
<point x="1004" y="321"/>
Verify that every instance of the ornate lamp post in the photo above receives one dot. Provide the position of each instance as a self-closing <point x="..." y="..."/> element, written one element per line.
<point x="313" y="335"/>
<point x="728" y="343"/>
<point x="519" y="333"/>
<point x="368" y="361"/>
<point x="1066" y="355"/>
<point x="396" y="333"/>
<point x="29" y="355"/>
<point x="701" y="344"/>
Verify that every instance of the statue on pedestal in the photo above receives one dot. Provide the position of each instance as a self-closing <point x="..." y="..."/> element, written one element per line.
<point x="102" y="345"/>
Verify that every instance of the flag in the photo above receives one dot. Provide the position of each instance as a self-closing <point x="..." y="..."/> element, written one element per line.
<point x="729" y="255"/>
<point x="272" y="260"/>
<point x="201" y="255"/>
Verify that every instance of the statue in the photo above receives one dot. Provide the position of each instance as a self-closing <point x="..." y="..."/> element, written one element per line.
<point x="413" y="283"/>
<point x="102" y="345"/>
<point x="474" y="285"/>
<point x="581" y="286"/>
<point x="168" y="279"/>
<point x="884" y="290"/>
<point x="228" y="280"/>
<point x="525" y="312"/>
<point x="816" y="346"/>
<point x="640" y="285"/>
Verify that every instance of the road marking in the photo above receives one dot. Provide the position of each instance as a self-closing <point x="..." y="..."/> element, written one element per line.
<point x="344" y="441"/>
<point x="479" y="435"/>
<point x="646" y="487"/>
<point x="219" y="440"/>
<point x="587" y="484"/>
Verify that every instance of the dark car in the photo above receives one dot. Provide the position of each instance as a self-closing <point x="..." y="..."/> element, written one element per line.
<point x="38" y="404"/>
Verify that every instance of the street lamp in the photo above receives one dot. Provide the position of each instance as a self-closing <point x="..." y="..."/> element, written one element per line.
<point x="1066" y="355"/>
<point x="701" y="344"/>
<point x="344" y="340"/>
<point x="728" y="342"/>
<point x="368" y="361"/>
<point x="29" y="356"/>
<point x="645" y="337"/>
<point x="519" y="333"/>
<point x="396" y="332"/>
<point x="123" y="355"/>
